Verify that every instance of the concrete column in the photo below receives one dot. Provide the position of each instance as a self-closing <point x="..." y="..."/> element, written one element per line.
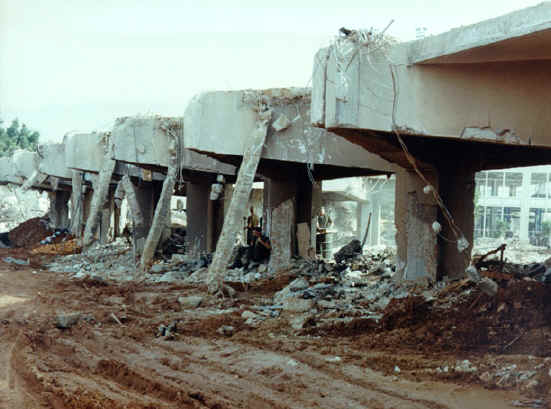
<point x="415" y="212"/>
<point x="198" y="212"/>
<point x="86" y="205"/>
<point x="228" y="192"/>
<point x="76" y="203"/>
<point x="106" y="213"/>
<point x="375" y="226"/>
<point x="524" y="236"/>
<point x="275" y="193"/>
<point x="59" y="208"/>
<point x="116" y="222"/>
<point x="145" y="196"/>
<point x="363" y="210"/>
<point x="316" y="205"/>
<point x="457" y="189"/>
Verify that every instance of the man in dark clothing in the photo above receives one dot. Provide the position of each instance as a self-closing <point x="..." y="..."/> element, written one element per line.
<point x="258" y="252"/>
<point x="261" y="248"/>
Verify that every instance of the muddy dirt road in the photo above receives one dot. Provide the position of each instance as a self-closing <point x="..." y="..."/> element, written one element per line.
<point x="113" y="358"/>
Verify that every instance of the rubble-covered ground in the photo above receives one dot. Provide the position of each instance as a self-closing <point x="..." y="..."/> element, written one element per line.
<point x="89" y="331"/>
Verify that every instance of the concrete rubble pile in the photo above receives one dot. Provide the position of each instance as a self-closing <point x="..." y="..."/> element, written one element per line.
<point x="17" y="207"/>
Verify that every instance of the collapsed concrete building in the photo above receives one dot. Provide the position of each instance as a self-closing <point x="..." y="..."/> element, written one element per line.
<point x="433" y="111"/>
<point x="440" y="109"/>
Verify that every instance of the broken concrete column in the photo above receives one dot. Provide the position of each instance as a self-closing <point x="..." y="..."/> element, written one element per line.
<point x="415" y="212"/>
<point x="59" y="209"/>
<point x="118" y="197"/>
<point x="106" y="213"/>
<point x="275" y="193"/>
<point x="282" y="235"/>
<point x="101" y="191"/>
<point x="135" y="210"/>
<point x="375" y="225"/>
<point x="306" y="198"/>
<point x="457" y="189"/>
<point x="162" y="210"/>
<point x="197" y="211"/>
<point x="238" y="204"/>
<point x="76" y="203"/>
<point x="36" y="178"/>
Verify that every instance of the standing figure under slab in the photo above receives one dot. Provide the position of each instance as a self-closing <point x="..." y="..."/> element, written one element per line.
<point x="324" y="222"/>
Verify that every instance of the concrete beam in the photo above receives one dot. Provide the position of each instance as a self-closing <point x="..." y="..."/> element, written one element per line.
<point x="52" y="161"/>
<point x="516" y="36"/>
<point x="219" y="123"/>
<point x="145" y="141"/>
<point x="408" y="87"/>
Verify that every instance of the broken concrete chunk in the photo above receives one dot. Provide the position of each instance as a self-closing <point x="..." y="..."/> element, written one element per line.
<point x="159" y="268"/>
<point x="465" y="366"/>
<point x="281" y="123"/>
<point x="299" y="284"/>
<point x="11" y="260"/>
<point x="172" y="276"/>
<point x="472" y="273"/>
<point x="351" y="250"/>
<point x="66" y="320"/>
<point x="192" y="301"/>
<point x="295" y="304"/>
<point x="488" y="286"/>
<point x="226" y="330"/>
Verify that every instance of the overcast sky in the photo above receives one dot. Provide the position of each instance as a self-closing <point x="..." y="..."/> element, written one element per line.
<point x="77" y="65"/>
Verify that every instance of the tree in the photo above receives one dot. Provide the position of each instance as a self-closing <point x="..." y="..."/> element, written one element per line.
<point x="17" y="136"/>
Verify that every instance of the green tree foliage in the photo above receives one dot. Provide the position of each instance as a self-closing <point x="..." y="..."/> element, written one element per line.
<point x="16" y="136"/>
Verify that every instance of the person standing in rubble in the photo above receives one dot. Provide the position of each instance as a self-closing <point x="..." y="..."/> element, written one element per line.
<point x="252" y="223"/>
<point x="324" y="222"/>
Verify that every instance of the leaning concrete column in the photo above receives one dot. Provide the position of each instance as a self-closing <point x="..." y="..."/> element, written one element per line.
<point x="135" y="211"/>
<point x="101" y="190"/>
<point x="162" y="210"/>
<point x="106" y="217"/>
<point x="36" y="179"/>
<point x="238" y="204"/>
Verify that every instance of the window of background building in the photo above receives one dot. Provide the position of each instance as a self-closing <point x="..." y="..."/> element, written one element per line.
<point x="539" y="227"/>
<point x="480" y="184"/>
<point x="494" y="222"/>
<point x="479" y="221"/>
<point x="511" y="218"/>
<point x="538" y="185"/>
<point x="495" y="184"/>
<point x="513" y="182"/>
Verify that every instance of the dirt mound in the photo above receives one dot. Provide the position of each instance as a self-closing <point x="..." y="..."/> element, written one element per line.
<point x="30" y="233"/>
<point x="461" y="318"/>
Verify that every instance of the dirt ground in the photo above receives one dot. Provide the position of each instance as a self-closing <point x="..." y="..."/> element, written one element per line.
<point x="113" y="358"/>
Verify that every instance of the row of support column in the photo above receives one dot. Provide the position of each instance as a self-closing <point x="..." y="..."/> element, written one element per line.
<point x="421" y="251"/>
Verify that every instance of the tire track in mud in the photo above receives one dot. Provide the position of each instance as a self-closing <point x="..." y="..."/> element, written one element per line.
<point x="298" y="379"/>
<point x="9" y="396"/>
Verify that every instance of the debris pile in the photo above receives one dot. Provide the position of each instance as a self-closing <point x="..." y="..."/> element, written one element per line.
<point x="30" y="232"/>
<point x="113" y="261"/>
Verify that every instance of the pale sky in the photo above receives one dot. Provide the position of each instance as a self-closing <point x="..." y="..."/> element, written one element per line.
<point x="77" y="65"/>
